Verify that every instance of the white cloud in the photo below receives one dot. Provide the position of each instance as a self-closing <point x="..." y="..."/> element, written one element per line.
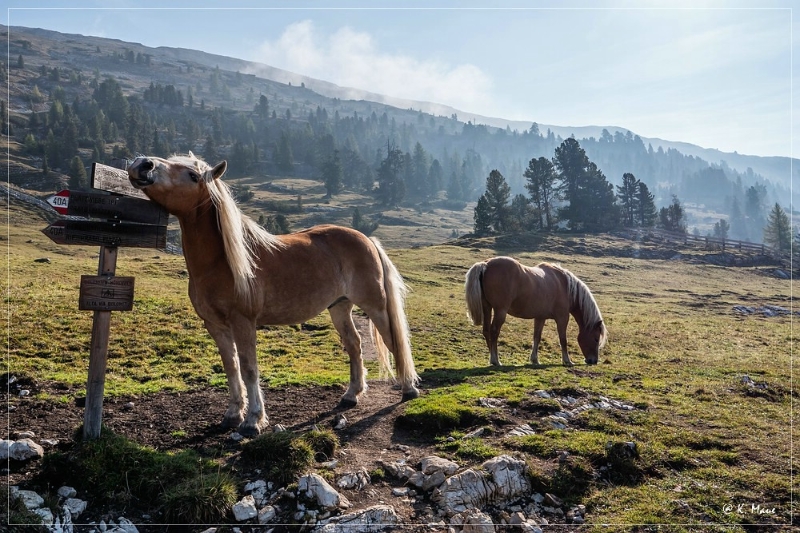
<point x="350" y="58"/>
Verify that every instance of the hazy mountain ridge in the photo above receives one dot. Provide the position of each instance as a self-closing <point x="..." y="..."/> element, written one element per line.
<point x="776" y="169"/>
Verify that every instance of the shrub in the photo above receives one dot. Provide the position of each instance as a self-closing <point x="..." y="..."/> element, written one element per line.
<point x="283" y="455"/>
<point x="203" y="499"/>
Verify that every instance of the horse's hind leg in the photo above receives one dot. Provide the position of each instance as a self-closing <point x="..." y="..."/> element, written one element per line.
<point x="341" y="315"/>
<point x="538" y="326"/>
<point x="494" y="333"/>
<point x="230" y="362"/>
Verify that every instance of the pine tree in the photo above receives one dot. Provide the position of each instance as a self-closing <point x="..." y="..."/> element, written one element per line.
<point x="778" y="232"/>
<point x="497" y="194"/>
<point x="646" y="214"/>
<point x="541" y="185"/>
<point x="591" y="201"/>
<point x="673" y="218"/>
<point x="77" y="174"/>
<point x="483" y="217"/>
<point x="628" y="199"/>
<point x="332" y="174"/>
<point x="721" y="229"/>
<point x="391" y="187"/>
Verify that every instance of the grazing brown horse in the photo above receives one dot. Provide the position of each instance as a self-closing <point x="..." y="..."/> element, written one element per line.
<point x="241" y="276"/>
<point x="507" y="287"/>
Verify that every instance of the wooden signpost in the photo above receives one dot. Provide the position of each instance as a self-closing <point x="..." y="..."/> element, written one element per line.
<point x="114" y="214"/>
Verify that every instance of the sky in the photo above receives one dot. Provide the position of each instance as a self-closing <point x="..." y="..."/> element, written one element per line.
<point x="717" y="74"/>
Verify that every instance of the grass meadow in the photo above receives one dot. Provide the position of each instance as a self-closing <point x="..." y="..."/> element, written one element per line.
<point x="712" y="449"/>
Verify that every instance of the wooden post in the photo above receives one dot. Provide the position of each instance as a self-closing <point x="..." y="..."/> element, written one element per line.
<point x="95" y="384"/>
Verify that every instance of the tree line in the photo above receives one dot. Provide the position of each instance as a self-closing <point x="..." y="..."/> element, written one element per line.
<point x="399" y="162"/>
<point x="570" y="191"/>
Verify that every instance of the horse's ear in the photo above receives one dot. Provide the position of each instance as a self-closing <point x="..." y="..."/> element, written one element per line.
<point x="219" y="170"/>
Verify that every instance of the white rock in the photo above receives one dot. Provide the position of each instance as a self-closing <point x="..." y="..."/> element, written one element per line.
<point x="236" y="436"/>
<point x="29" y="498"/>
<point x="472" y="490"/>
<point x="314" y="487"/>
<point x="340" y="422"/>
<point x="433" y="481"/>
<point x="250" y="487"/>
<point x="542" y="393"/>
<point x="24" y="392"/>
<point x="75" y="506"/>
<point x="209" y="530"/>
<point x="46" y="515"/>
<point x="432" y="464"/>
<point x="521" y="431"/>
<point x="477" y="522"/>
<point x="102" y="526"/>
<point x="50" y="442"/>
<point x="400" y="491"/>
<point x="370" y="520"/>
<point x="245" y="509"/>
<point x="354" y="480"/>
<point x="26" y="435"/>
<point x="126" y="526"/>
<point x="25" y="449"/>
<point x="267" y="514"/>
<point x="474" y="434"/>
<point x="5" y="446"/>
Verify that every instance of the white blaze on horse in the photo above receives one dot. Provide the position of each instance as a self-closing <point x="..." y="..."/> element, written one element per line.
<point x="241" y="276"/>
<point x="507" y="287"/>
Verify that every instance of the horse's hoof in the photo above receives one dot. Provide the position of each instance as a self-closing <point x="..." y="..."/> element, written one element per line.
<point x="230" y="422"/>
<point x="346" y="403"/>
<point x="410" y="395"/>
<point x="248" y="431"/>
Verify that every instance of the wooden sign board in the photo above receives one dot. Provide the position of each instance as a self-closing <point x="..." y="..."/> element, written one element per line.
<point x="114" y="180"/>
<point x="112" y="234"/>
<point x="106" y="293"/>
<point x="99" y="204"/>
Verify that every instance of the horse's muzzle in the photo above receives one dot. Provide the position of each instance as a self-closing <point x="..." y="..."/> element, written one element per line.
<point x="140" y="173"/>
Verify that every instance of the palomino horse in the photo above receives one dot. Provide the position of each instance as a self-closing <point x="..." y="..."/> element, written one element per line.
<point x="545" y="291"/>
<point x="241" y="276"/>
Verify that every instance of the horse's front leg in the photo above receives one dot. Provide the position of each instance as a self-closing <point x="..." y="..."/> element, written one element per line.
<point x="561" y="324"/>
<point x="230" y="362"/>
<point x="244" y="334"/>
<point x="342" y="319"/>
<point x="538" y="326"/>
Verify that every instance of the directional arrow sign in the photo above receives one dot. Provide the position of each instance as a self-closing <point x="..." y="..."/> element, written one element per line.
<point x="98" y="233"/>
<point x="98" y="204"/>
<point x="60" y="201"/>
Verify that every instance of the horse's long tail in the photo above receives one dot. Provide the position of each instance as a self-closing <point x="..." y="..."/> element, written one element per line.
<point x="396" y="291"/>
<point x="474" y="292"/>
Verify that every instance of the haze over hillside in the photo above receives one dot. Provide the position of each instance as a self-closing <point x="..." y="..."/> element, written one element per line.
<point x="270" y="122"/>
<point x="776" y="169"/>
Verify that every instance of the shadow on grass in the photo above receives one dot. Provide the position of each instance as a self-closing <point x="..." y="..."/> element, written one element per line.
<point x="445" y="377"/>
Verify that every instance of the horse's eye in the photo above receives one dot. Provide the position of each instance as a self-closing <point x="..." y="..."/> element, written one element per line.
<point x="194" y="176"/>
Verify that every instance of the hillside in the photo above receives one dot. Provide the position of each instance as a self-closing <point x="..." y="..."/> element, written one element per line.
<point x="182" y="97"/>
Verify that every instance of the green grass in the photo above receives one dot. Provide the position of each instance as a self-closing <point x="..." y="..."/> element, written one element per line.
<point x="676" y="351"/>
<point x="113" y="468"/>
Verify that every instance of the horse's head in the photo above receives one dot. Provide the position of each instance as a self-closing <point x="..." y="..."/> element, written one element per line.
<point x="590" y="340"/>
<point x="177" y="183"/>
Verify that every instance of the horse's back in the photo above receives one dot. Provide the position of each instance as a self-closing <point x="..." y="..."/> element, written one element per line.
<point x="524" y="292"/>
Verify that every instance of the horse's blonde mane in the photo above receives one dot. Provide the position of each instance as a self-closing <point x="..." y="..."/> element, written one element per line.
<point x="583" y="299"/>
<point x="241" y="236"/>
